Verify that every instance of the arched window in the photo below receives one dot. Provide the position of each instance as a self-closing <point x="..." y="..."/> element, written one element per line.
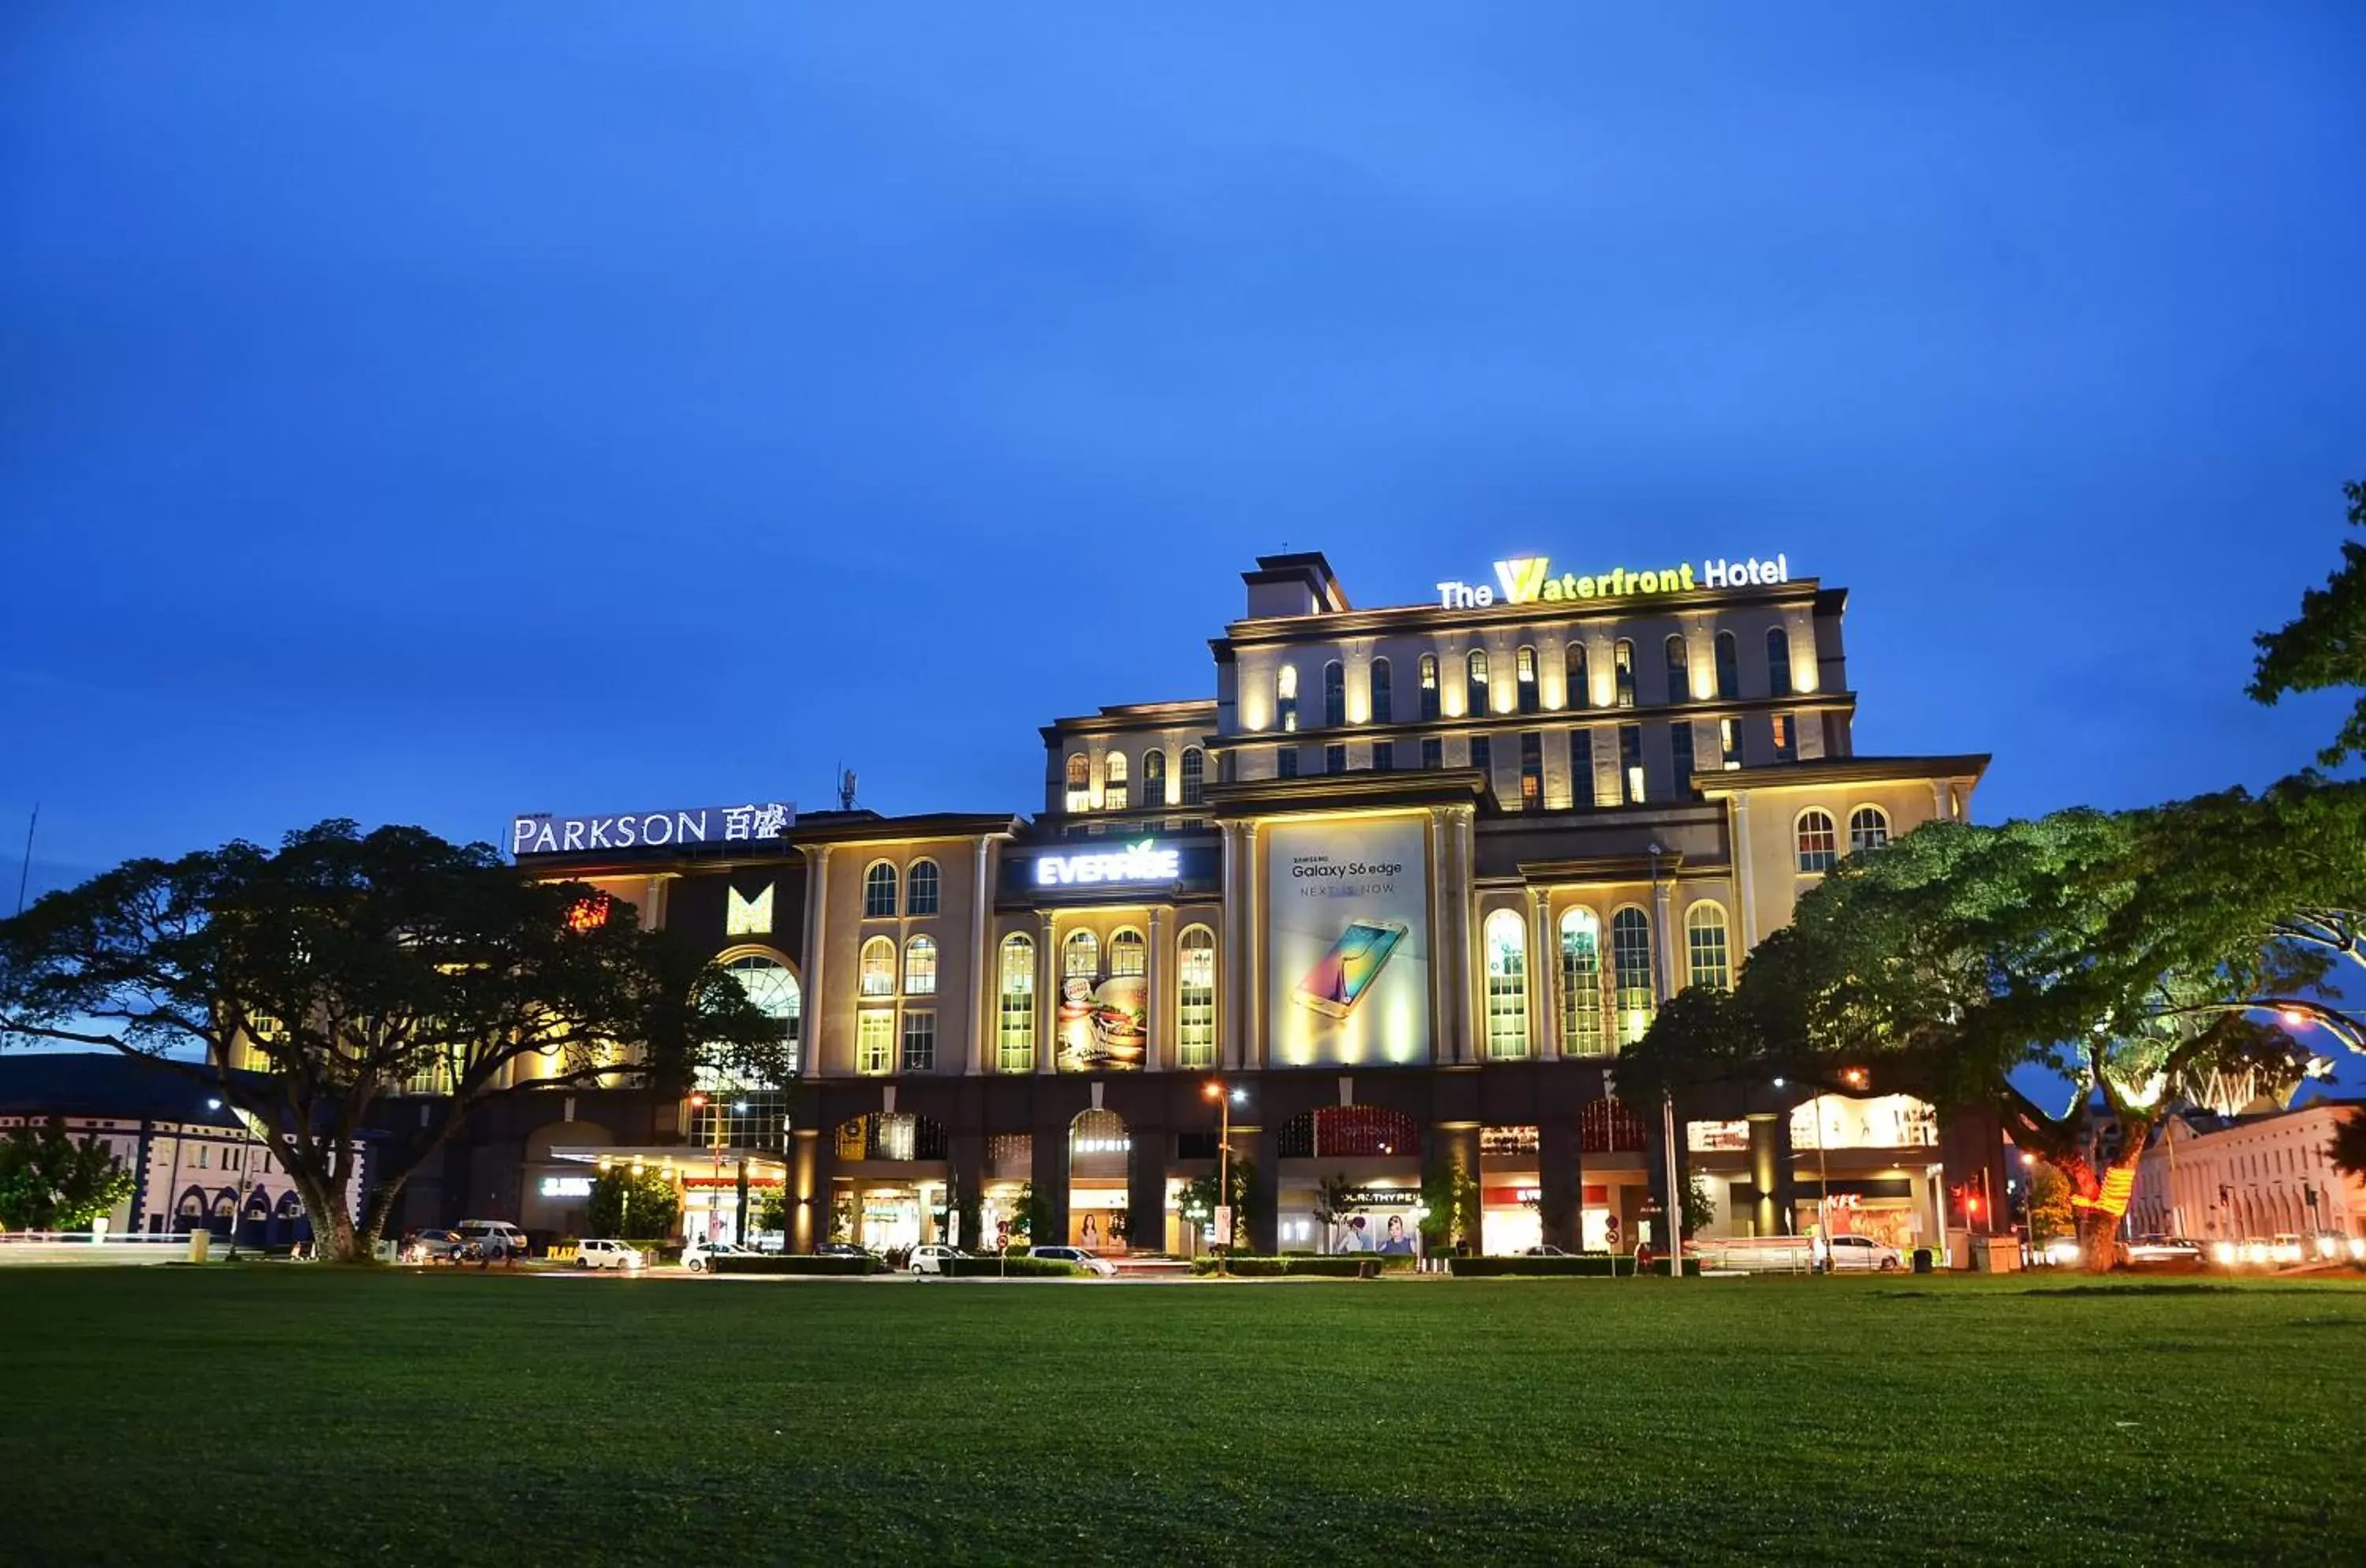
<point x="1868" y="829"/>
<point x="1581" y="690"/>
<point x="1474" y="681"/>
<point x="1428" y="685"/>
<point x="1114" y="781"/>
<point x="1705" y="944"/>
<point x="1630" y="973"/>
<point x="1080" y="783"/>
<point x="1195" y="776"/>
<point x="1285" y="697"/>
<point x="1819" y="841"/>
<point x="1524" y="675"/>
<point x="1383" y="705"/>
<point x="1778" y="662"/>
<point x="1622" y="670"/>
<point x="1507" y="985"/>
<point x="879" y="892"/>
<point x="879" y="967"/>
<point x="1153" y="780"/>
<point x="1680" y="678"/>
<point x="1335" y="695"/>
<point x="1129" y="954"/>
<point x="920" y="966"/>
<point x="1729" y="667"/>
<point x="1195" y="997"/>
<point x="775" y="994"/>
<point x="1080" y="956"/>
<point x="1581" y="983"/>
<point x="1014" y="1013"/>
<point x="921" y="886"/>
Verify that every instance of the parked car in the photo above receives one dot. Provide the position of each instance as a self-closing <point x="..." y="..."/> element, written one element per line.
<point x="434" y="1247"/>
<point x="1100" y="1267"/>
<point x="1861" y="1252"/>
<point x="485" y="1235"/>
<point x="606" y="1254"/>
<point x="842" y="1249"/>
<point x="1545" y="1251"/>
<point x="2156" y="1250"/>
<point x="694" y="1258"/>
<point x="930" y="1260"/>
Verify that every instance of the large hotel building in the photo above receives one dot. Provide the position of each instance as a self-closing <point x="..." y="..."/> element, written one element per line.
<point x="1405" y="884"/>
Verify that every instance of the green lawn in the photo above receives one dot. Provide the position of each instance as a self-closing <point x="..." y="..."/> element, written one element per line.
<point x="286" y="1415"/>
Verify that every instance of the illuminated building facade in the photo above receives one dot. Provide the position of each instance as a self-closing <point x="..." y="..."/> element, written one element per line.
<point x="1407" y="881"/>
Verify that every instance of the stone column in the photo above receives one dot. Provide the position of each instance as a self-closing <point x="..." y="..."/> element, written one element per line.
<point x="1459" y="1142"/>
<point x="1560" y="1182"/>
<point x="1239" y="936"/>
<point x="1049" y="1172"/>
<point x="1047" y="992"/>
<point x="985" y="969"/>
<point x="808" y="1194"/>
<point x="1156" y="1050"/>
<point x="966" y="1166"/>
<point x="817" y="1008"/>
<point x="1767" y="1173"/>
<point x="1662" y="900"/>
<point x="1146" y="1188"/>
<point x="1264" y="1218"/>
<point x="1544" y="977"/>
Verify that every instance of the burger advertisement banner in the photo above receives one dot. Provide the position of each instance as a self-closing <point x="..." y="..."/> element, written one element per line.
<point x="1103" y="1028"/>
<point x="1348" y="935"/>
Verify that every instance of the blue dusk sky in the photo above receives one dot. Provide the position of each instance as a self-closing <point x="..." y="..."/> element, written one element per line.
<point x="434" y="413"/>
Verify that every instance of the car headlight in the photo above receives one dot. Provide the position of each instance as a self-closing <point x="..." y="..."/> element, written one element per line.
<point x="2358" y="1249"/>
<point x="2257" y="1252"/>
<point x="2223" y="1252"/>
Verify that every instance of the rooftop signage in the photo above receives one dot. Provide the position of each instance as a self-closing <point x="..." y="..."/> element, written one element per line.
<point x="1529" y="580"/>
<point x="542" y="834"/>
<point x="1143" y="862"/>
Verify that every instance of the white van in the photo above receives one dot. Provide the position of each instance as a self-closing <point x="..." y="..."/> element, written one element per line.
<point x="607" y="1255"/>
<point x="486" y="1235"/>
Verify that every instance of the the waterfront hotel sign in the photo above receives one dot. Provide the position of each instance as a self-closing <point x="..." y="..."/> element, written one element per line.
<point x="1530" y="579"/>
<point x="542" y="834"/>
<point x="1143" y="862"/>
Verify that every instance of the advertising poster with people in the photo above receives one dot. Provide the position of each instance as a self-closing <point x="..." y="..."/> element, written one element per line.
<point x="1348" y="935"/>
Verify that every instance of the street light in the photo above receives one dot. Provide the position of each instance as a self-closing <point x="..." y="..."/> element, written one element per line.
<point x="246" y="1149"/>
<point x="1214" y="1090"/>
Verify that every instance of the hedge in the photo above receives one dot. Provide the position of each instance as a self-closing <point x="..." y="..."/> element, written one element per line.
<point x="1594" y="1264"/>
<point x="1342" y="1266"/>
<point x="1010" y="1268"/>
<point x="794" y="1263"/>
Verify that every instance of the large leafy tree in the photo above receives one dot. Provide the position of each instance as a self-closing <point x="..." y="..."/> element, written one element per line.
<point x="2102" y="954"/>
<point x="52" y="1181"/>
<point x="2325" y="647"/>
<point x="345" y="966"/>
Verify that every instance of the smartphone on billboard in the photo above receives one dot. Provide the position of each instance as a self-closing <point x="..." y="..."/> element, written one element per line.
<point x="1343" y="975"/>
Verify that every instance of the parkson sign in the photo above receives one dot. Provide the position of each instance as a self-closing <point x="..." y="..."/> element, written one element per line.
<point x="1529" y="580"/>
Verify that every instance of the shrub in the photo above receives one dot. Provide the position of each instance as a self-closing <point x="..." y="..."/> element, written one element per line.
<point x="1341" y="1266"/>
<point x="1009" y="1267"/>
<point x="794" y="1263"/>
<point x="1596" y="1264"/>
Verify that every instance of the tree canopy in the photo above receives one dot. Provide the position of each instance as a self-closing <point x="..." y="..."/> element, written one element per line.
<point x="52" y="1181"/>
<point x="2131" y="957"/>
<point x="2324" y="647"/>
<point x="346" y="967"/>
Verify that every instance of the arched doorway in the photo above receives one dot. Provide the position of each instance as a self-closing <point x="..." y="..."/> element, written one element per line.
<point x="1101" y="1159"/>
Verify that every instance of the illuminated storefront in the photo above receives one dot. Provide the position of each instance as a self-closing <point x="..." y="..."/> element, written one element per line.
<point x="1405" y="882"/>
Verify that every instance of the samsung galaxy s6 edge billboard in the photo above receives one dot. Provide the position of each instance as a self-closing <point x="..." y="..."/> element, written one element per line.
<point x="1347" y="934"/>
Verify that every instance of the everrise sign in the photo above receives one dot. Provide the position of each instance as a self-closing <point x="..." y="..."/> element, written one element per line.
<point x="1142" y="862"/>
<point x="546" y="835"/>
<point x="1529" y="580"/>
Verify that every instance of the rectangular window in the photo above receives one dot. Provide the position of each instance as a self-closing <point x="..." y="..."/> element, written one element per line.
<point x="1525" y="668"/>
<point x="1433" y="753"/>
<point x="1195" y="994"/>
<point x="1580" y="768"/>
<point x="919" y="1043"/>
<point x="1786" y="738"/>
<point x="1382" y="699"/>
<point x="1532" y="771"/>
<point x="1015" y="1015"/>
<point x="1729" y="744"/>
<point x="1482" y="757"/>
<point x="1335" y="759"/>
<point x="1195" y="776"/>
<point x="1384" y="756"/>
<point x="1680" y="741"/>
<point x="1630" y="763"/>
<point x="1430" y="686"/>
<point x="874" y="1042"/>
<point x="1286" y="762"/>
